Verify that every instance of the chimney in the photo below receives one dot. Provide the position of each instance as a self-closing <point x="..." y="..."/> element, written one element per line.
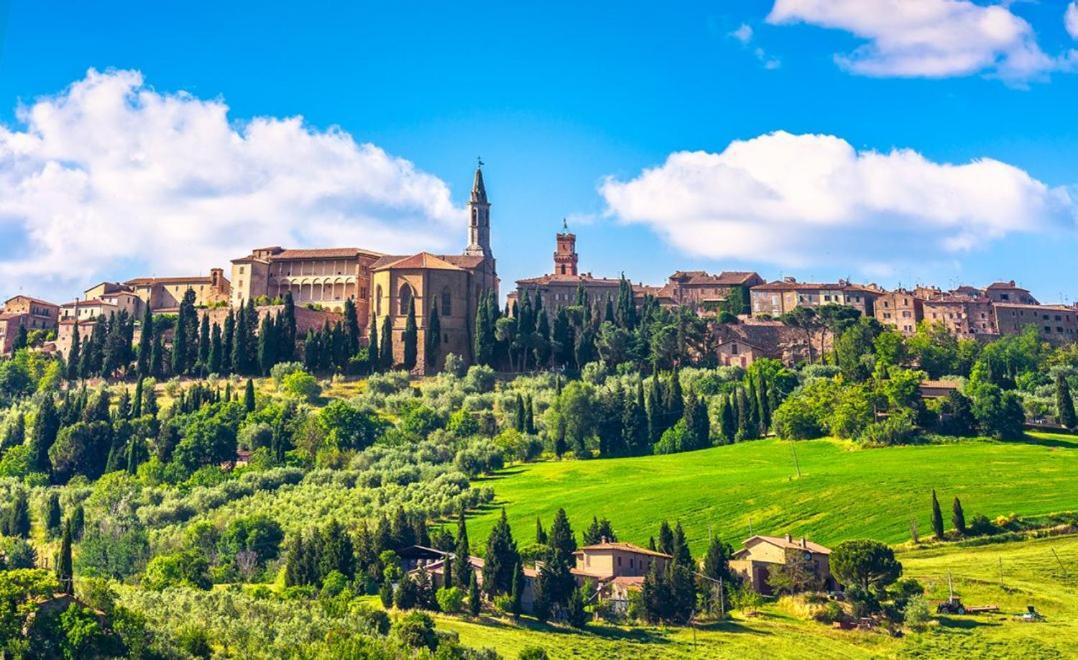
<point x="804" y="543"/>
<point x="602" y="540"/>
<point x="789" y="539"/>
<point x="216" y="274"/>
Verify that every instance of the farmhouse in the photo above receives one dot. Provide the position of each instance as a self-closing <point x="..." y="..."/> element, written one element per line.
<point x="763" y="554"/>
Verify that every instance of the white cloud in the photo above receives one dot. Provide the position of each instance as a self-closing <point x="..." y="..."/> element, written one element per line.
<point x="797" y="200"/>
<point x="1070" y="19"/>
<point x="928" y="38"/>
<point x="111" y="173"/>
<point x="744" y="35"/>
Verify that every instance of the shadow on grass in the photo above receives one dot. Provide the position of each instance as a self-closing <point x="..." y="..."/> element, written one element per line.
<point x="599" y="630"/>
<point x="965" y="623"/>
<point x="499" y="475"/>
<point x="1058" y="443"/>
<point x="731" y="627"/>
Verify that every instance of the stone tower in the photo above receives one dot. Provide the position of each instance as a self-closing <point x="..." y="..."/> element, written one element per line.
<point x="565" y="256"/>
<point x="478" y="218"/>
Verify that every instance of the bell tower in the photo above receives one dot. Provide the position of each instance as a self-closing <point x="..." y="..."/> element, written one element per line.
<point x="565" y="257"/>
<point x="478" y="218"/>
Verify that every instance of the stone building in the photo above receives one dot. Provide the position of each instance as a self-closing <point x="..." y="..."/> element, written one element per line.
<point x="776" y="298"/>
<point x="741" y="344"/>
<point x="322" y="276"/>
<point x="704" y="292"/>
<point x="900" y="309"/>
<point x="451" y="283"/>
<point x="1057" y="324"/>
<point x="963" y="316"/>
<point x="164" y="294"/>
<point x="25" y="312"/>
<point x="760" y="556"/>
<point x="1009" y="292"/>
<point x="560" y="288"/>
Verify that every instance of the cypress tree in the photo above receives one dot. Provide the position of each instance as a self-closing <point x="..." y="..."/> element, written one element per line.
<point x="43" y="435"/>
<point x="214" y="357"/>
<point x="157" y="358"/>
<point x="373" y="357"/>
<point x="78" y="522"/>
<point x="149" y="402"/>
<point x="517" y="592"/>
<point x="743" y="432"/>
<point x="136" y="401"/>
<point x="132" y="456"/>
<point x="518" y="417"/>
<point x="666" y="538"/>
<point x="937" y="517"/>
<point x="310" y="351"/>
<point x="18" y="517"/>
<point x="675" y="401"/>
<point x="473" y="595"/>
<point x="239" y="342"/>
<point x="1065" y="404"/>
<point x="249" y="396"/>
<point x="65" y="572"/>
<point x="560" y="537"/>
<point x="179" y="343"/>
<point x="53" y="515"/>
<point x="501" y="556"/>
<point x="267" y="346"/>
<point x="958" y="517"/>
<point x="351" y="328"/>
<point x="204" y="342"/>
<point x="540" y="533"/>
<point x="411" y="336"/>
<point x="228" y="332"/>
<point x="145" y="344"/>
<point x="433" y="346"/>
<point x="288" y="328"/>
<point x="73" y="357"/>
<point x="461" y="563"/>
<point x="385" y="345"/>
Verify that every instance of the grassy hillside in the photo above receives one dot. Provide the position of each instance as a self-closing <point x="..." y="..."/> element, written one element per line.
<point x="843" y="492"/>
<point x="1030" y="576"/>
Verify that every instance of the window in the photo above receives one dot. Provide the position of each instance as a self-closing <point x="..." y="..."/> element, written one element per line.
<point x="404" y="299"/>
<point x="378" y="300"/>
<point x="619" y="561"/>
<point x="447" y="302"/>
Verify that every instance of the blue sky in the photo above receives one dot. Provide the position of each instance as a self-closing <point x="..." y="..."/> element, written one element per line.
<point x="559" y="98"/>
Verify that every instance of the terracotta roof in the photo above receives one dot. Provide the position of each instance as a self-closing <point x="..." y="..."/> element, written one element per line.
<point x="32" y="299"/>
<point x="144" y="281"/>
<point x="323" y="253"/>
<point x="95" y="302"/>
<point x="462" y="260"/>
<point x="1005" y="285"/>
<point x="941" y="384"/>
<point x="628" y="580"/>
<point x="1052" y="308"/>
<point x="956" y="300"/>
<point x="791" y="544"/>
<point x="812" y="286"/>
<point x="586" y="279"/>
<point x="624" y="547"/>
<point x="421" y="260"/>
<point x="6" y="316"/>
<point x="729" y="278"/>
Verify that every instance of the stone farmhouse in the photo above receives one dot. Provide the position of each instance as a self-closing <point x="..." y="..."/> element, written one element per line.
<point x="25" y="312"/>
<point x="760" y="556"/>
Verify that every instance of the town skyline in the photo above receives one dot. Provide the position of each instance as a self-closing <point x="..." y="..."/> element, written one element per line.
<point x="688" y="156"/>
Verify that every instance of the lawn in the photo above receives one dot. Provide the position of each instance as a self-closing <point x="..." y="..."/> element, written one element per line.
<point x="1031" y="575"/>
<point x="842" y="492"/>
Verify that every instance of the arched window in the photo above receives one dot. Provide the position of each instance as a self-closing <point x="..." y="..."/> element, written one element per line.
<point x="405" y="299"/>
<point x="378" y="300"/>
<point x="447" y="303"/>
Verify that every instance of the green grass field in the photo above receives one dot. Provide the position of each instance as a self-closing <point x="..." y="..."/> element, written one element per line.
<point x="843" y="492"/>
<point x="1031" y="575"/>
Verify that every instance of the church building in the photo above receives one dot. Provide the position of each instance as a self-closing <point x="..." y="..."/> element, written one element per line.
<point x="451" y="285"/>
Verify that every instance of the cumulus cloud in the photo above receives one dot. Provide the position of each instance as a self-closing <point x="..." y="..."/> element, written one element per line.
<point x="928" y="38"/>
<point x="111" y="175"/>
<point x="799" y="200"/>
<point x="1070" y="19"/>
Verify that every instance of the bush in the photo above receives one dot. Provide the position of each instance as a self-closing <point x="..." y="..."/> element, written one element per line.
<point x="283" y="369"/>
<point x="794" y="420"/>
<point x="980" y="525"/>
<point x="830" y="613"/>
<point x="917" y="614"/>
<point x="897" y="429"/>
<point x="479" y="379"/>
<point x="532" y="653"/>
<point x="302" y="385"/>
<point x="450" y="600"/>
<point x="416" y="630"/>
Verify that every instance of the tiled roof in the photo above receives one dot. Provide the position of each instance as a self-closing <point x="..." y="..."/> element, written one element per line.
<point x="585" y="279"/>
<point x="32" y="299"/>
<point x="7" y="316"/>
<point x="728" y="278"/>
<point x="95" y="302"/>
<point x="812" y="286"/>
<point x="624" y="547"/>
<point x="421" y="260"/>
<point x="146" y="281"/>
<point x="323" y="253"/>
<point x="791" y="544"/>
<point x="1052" y="308"/>
<point x="1005" y="285"/>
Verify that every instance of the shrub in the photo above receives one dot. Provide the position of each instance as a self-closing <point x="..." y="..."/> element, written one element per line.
<point x="829" y="613"/>
<point x="479" y="379"/>
<point x="897" y="429"/>
<point x="980" y="525"/>
<point x="532" y="653"/>
<point x="917" y="615"/>
<point x="416" y="630"/>
<point x="302" y="385"/>
<point x="283" y="369"/>
<point x="450" y="600"/>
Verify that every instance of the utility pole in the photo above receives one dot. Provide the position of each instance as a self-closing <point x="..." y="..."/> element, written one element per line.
<point x="1060" y="562"/>
<point x="796" y="465"/>
<point x="1000" y="572"/>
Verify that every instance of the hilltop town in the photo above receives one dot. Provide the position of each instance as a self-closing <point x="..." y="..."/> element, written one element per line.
<point x="750" y="316"/>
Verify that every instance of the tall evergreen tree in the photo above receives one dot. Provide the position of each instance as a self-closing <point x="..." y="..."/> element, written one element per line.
<point x="501" y="556"/>
<point x="474" y="604"/>
<point x="239" y="342"/>
<point x="433" y="347"/>
<point x="385" y="345"/>
<point x="666" y="538"/>
<point x="351" y="328"/>
<point x="73" y="357"/>
<point x="43" y="434"/>
<point x="373" y="356"/>
<point x="937" y="517"/>
<point x="65" y="571"/>
<point x="216" y="350"/>
<point x="484" y="333"/>
<point x="462" y="555"/>
<point x="18" y="516"/>
<point x="136" y="401"/>
<point x="249" y="396"/>
<point x="54" y="517"/>
<point x="157" y="358"/>
<point x="228" y="332"/>
<point x="411" y="336"/>
<point x="204" y="343"/>
<point x="517" y="592"/>
<point x="288" y="328"/>
<point x="267" y="345"/>
<point x="958" y="517"/>
<point x="1064" y="403"/>
<point x="145" y="344"/>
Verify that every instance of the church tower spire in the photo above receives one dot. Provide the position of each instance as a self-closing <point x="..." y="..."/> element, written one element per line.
<point x="478" y="218"/>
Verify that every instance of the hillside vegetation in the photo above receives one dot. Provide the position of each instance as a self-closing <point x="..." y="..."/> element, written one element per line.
<point x="843" y="491"/>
